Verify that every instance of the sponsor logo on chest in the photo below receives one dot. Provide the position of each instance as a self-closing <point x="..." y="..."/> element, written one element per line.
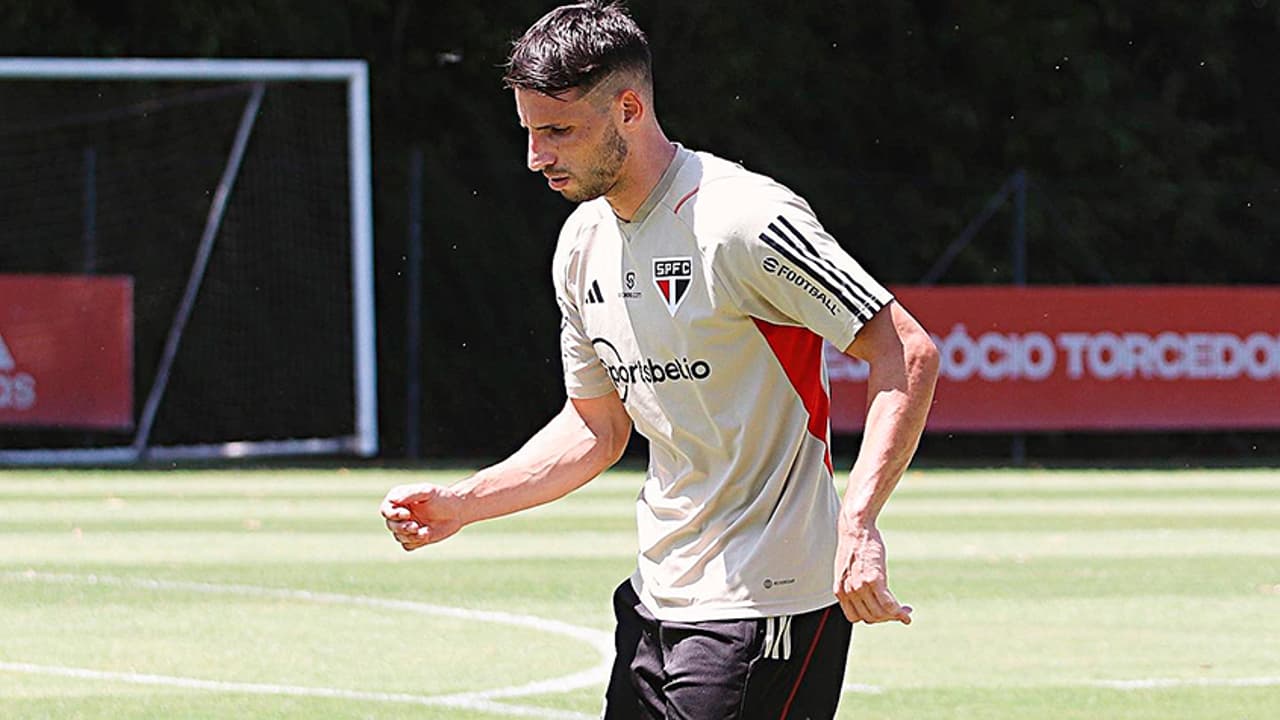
<point x="673" y="276"/>
<point x="626" y="372"/>
<point x="629" y="290"/>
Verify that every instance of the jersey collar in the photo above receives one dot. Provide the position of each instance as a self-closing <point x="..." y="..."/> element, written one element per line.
<point x="655" y="196"/>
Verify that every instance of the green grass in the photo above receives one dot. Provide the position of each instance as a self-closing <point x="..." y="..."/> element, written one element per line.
<point x="1033" y="590"/>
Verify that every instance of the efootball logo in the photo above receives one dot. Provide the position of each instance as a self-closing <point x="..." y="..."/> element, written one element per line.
<point x="673" y="276"/>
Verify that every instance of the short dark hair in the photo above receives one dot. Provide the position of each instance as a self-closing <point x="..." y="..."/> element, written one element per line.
<point x="578" y="46"/>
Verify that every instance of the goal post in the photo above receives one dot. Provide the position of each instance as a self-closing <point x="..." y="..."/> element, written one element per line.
<point x="208" y="185"/>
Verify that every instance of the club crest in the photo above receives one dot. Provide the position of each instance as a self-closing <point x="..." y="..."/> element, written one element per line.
<point x="673" y="276"/>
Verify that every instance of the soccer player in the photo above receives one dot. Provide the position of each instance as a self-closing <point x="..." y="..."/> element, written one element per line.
<point x="696" y="296"/>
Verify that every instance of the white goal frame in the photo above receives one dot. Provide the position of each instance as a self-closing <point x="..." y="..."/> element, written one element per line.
<point x="355" y="75"/>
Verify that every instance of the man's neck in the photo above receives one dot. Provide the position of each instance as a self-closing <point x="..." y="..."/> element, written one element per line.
<point x="651" y="161"/>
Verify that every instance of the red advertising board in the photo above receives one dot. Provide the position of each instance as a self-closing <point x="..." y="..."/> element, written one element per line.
<point x="66" y="351"/>
<point x="1085" y="358"/>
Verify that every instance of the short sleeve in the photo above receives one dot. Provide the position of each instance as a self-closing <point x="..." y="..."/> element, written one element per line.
<point x="784" y="268"/>
<point x="584" y="375"/>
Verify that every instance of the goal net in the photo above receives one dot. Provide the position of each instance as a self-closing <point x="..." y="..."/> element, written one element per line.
<point x="229" y="204"/>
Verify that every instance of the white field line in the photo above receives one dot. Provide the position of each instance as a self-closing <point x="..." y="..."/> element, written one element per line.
<point x="1168" y="683"/>
<point x="454" y="701"/>
<point x="599" y="640"/>
<point x="478" y="700"/>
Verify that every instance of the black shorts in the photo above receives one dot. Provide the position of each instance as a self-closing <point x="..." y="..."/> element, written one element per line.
<point x="765" y="668"/>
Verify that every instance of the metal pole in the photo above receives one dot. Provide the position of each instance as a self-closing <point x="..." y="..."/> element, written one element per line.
<point x="207" y="238"/>
<point x="1018" y="450"/>
<point x="1020" y="228"/>
<point x="413" y="311"/>
<point x="89" y="236"/>
<point x="962" y="240"/>
<point x="360" y="147"/>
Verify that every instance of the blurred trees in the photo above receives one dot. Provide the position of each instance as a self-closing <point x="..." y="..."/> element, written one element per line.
<point x="1147" y="131"/>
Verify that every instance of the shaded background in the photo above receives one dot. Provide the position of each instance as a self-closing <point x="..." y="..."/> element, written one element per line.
<point x="1147" y="133"/>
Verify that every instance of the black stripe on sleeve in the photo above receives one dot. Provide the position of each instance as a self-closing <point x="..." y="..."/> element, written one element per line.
<point x="789" y="253"/>
<point x="869" y="299"/>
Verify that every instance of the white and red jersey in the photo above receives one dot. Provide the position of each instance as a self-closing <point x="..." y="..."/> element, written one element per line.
<point x="706" y="314"/>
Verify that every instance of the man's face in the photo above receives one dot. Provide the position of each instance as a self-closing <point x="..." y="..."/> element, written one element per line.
<point x="573" y="142"/>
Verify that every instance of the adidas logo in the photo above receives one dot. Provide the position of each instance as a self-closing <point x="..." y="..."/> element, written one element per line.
<point x="593" y="294"/>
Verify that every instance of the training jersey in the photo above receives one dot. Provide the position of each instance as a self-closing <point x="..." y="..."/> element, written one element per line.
<point x="706" y="313"/>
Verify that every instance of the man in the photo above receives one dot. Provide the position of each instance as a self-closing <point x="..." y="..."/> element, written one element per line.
<point x="695" y="298"/>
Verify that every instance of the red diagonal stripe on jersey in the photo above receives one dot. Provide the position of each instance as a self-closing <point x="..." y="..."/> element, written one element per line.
<point x="665" y="287"/>
<point x="799" y="350"/>
<point x="683" y="199"/>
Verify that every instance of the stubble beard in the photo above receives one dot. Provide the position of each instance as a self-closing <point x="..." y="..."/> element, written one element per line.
<point x="604" y="173"/>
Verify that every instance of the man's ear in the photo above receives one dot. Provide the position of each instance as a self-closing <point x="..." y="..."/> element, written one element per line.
<point x="631" y="106"/>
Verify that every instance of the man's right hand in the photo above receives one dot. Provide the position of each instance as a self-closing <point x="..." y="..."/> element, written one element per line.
<point x="421" y="514"/>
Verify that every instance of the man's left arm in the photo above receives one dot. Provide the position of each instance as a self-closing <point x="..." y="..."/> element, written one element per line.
<point x="904" y="368"/>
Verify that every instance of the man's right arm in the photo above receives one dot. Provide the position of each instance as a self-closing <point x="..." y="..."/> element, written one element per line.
<point x="579" y="443"/>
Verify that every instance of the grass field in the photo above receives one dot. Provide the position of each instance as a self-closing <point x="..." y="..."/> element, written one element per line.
<point x="279" y="594"/>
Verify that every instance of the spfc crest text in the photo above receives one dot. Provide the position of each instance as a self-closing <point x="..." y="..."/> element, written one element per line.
<point x="672" y="276"/>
